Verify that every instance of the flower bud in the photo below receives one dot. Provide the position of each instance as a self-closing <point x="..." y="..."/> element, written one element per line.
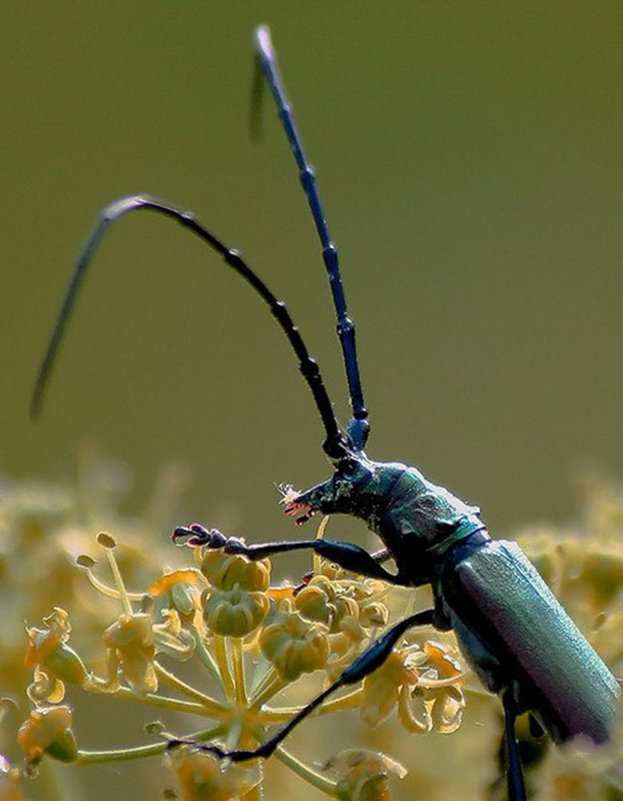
<point x="201" y="777"/>
<point x="130" y="645"/>
<point x="234" y="613"/>
<point x="381" y="688"/>
<point x="294" y="646"/>
<point x="363" y="775"/>
<point x="224" y="571"/>
<point x="48" y="731"/>
<point x="66" y="665"/>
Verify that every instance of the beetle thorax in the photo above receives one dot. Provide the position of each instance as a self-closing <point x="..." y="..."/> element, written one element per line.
<point x="415" y="518"/>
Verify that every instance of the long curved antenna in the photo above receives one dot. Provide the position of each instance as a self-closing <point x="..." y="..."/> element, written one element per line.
<point x="334" y="445"/>
<point x="358" y="427"/>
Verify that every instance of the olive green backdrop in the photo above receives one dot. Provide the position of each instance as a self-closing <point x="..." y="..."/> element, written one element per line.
<point x="469" y="157"/>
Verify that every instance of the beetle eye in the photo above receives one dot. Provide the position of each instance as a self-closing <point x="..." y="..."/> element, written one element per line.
<point x="348" y="468"/>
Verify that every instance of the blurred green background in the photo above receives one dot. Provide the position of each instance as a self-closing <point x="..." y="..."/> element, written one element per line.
<point x="468" y="156"/>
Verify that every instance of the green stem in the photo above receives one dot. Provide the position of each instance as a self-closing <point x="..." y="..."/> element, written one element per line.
<point x="163" y="701"/>
<point x="270" y="686"/>
<point x="272" y="715"/>
<point x="316" y="558"/>
<point x="88" y="757"/>
<point x="239" y="679"/>
<point x="314" y="778"/>
<point x="205" y="656"/>
<point x="209" y="704"/>
<point x="222" y="660"/>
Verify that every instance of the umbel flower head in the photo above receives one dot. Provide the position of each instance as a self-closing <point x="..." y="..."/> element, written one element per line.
<point x="252" y="642"/>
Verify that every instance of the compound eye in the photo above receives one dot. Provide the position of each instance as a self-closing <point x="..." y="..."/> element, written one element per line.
<point x="348" y="468"/>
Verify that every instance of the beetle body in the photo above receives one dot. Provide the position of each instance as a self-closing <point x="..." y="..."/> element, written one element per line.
<point x="517" y="637"/>
<point x="510" y="626"/>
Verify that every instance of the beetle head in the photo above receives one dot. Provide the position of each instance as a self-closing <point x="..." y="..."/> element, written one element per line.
<point x="358" y="487"/>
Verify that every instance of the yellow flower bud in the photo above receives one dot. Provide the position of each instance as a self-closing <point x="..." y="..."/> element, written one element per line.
<point x="130" y="645"/>
<point x="52" y="659"/>
<point x="447" y="709"/>
<point x="179" y="590"/>
<point x="42" y="643"/>
<point x="381" y="688"/>
<point x="45" y="687"/>
<point x="313" y="603"/>
<point x="294" y="645"/>
<point x="444" y="663"/>
<point x="48" y="731"/>
<point x="234" y="613"/>
<point x="433" y="706"/>
<point x="373" y="615"/>
<point x="330" y="604"/>
<point x="224" y="571"/>
<point x="201" y="777"/>
<point x="363" y="775"/>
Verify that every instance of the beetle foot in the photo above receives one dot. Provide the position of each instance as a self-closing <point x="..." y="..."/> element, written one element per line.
<point x="197" y="534"/>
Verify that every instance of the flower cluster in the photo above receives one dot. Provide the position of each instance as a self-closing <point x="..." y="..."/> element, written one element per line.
<point x="253" y="641"/>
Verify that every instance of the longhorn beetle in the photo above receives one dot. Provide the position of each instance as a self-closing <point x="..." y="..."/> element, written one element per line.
<point x="512" y="630"/>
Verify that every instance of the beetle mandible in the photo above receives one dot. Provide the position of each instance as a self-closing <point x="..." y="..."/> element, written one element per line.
<point x="512" y="630"/>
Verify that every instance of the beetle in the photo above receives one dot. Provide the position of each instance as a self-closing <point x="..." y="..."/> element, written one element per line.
<point x="511" y="629"/>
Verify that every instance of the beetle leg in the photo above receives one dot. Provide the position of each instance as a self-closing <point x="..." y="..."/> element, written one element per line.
<point x="345" y="554"/>
<point x="367" y="662"/>
<point x="536" y="730"/>
<point x="381" y="556"/>
<point x="514" y="773"/>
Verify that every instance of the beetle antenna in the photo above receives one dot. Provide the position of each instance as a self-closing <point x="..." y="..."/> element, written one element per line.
<point x="256" y="102"/>
<point x="358" y="428"/>
<point x="334" y="445"/>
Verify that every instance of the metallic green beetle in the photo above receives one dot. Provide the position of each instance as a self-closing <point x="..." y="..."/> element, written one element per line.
<point x="517" y="637"/>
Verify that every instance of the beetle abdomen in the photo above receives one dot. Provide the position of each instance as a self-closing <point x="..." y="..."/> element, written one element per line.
<point x="517" y="635"/>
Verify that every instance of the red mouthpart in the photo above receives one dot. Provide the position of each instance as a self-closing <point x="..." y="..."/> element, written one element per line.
<point x="292" y="508"/>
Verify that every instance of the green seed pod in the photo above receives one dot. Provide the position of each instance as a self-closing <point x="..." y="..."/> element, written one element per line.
<point x="224" y="571"/>
<point x="66" y="665"/>
<point x="234" y="613"/>
<point x="294" y="646"/>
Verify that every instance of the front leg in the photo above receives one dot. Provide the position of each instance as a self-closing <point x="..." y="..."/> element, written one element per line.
<point x="345" y="554"/>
